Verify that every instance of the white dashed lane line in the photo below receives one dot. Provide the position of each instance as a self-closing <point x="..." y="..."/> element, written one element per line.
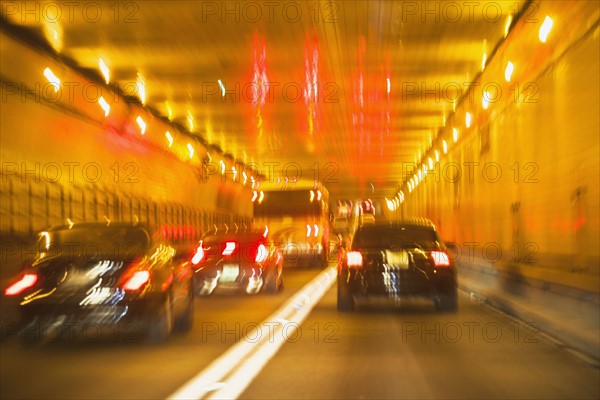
<point x="229" y="375"/>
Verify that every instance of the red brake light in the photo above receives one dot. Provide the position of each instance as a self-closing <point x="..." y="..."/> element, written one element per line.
<point x="354" y="258"/>
<point x="261" y="253"/>
<point x="229" y="248"/>
<point x="27" y="281"/>
<point x="440" y="259"/>
<point x="137" y="280"/>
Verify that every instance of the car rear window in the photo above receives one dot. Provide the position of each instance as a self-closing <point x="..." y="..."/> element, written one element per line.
<point x="114" y="241"/>
<point x="396" y="237"/>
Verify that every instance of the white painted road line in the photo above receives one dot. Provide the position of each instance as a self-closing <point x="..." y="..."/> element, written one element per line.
<point x="229" y="375"/>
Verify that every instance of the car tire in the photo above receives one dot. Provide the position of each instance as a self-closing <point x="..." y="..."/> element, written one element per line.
<point x="272" y="284"/>
<point x="161" y="324"/>
<point x="345" y="300"/>
<point x="447" y="301"/>
<point x="186" y="321"/>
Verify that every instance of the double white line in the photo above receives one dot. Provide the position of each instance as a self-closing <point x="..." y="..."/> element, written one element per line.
<point x="229" y="375"/>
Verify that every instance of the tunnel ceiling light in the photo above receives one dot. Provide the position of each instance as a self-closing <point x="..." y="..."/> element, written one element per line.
<point x="483" y="60"/>
<point x="455" y="134"/>
<point x="142" y="124"/>
<point x="509" y="71"/>
<point x="507" y="25"/>
<point x="169" y="138"/>
<point x="190" y="149"/>
<point x="104" y="106"/>
<point x="444" y="146"/>
<point x="437" y="156"/>
<point x="389" y="85"/>
<point x="53" y="79"/>
<point x="261" y="197"/>
<point x="430" y="160"/>
<point x="190" y="119"/>
<point x="104" y="69"/>
<point x="234" y="172"/>
<point x="53" y="30"/>
<point x="222" y="167"/>
<point x="141" y="88"/>
<point x="545" y="29"/>
<point x="169" y="110"/>
<point x="485" y="100"/>
<point x="468" y="119"/>
<point x="245" y="176"/>
<point x="390" y="204"/>
<point x="222" y="86"/>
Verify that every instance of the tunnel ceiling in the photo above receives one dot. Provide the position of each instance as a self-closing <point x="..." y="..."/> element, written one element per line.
<point x="368" y="60"/>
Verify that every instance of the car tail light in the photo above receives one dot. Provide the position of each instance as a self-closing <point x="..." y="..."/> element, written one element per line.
<point x="26" y="281"/>
<point x="261" y="253"/>
<point x="354" y="259"/>
<point x="199" y="256"/>
<point x="440" y="259"/>
<point x="137" y="280"/>
<point x="229" y="248"/>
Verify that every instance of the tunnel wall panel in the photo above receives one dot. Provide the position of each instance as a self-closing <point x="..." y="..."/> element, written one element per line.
<point x="63" y="158"/>
<point x="544" y="208"/>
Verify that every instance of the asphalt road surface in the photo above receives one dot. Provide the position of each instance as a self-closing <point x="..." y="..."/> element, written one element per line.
<point x="380" y="351"/>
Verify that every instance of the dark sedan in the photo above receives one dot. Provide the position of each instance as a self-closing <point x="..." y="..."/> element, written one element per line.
<point x="238" y="262"/>
<point x="91" y="277"/>
<point x="394" y="261"/>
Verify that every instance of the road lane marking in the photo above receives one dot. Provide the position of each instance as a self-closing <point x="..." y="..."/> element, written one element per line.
<point x="229" y="375"/>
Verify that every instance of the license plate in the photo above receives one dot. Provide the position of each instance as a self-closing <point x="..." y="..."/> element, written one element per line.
<point x="229" y="273"/>
<point x="397" y="259"/>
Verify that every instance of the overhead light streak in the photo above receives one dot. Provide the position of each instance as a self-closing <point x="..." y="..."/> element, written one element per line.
<point x="104" y="106"/>
<point x="53" y="79"/>
<point x="545" y="29"/>
<point x="141" y="88"/>
<point x="142" y="124"/>
<point x="222" y="86"/>
<point x="104" y="69"/>
<point x="509" y="71"/>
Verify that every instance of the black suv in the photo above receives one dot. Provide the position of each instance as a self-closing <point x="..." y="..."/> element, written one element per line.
<point x="394" y="260"/>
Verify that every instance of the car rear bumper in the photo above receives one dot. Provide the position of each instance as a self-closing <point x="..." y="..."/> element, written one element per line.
<point x="397" y="284"/>
<point x="50" y="322"/>
<point x="241" y="278"/>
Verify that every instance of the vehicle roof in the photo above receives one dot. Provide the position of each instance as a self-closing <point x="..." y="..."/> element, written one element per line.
<point x="406" y="223"/>
<point x="92" y="225"/>
<point x="245" y="234"/>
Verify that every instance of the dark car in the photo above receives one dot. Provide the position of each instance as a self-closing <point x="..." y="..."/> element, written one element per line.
<point x="104" y="275"/>
<point x="396" y="260"/>
<point x="244" y="262"/>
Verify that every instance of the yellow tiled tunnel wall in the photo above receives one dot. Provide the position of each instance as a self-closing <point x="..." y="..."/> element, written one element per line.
<point x="531" y="175"/>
